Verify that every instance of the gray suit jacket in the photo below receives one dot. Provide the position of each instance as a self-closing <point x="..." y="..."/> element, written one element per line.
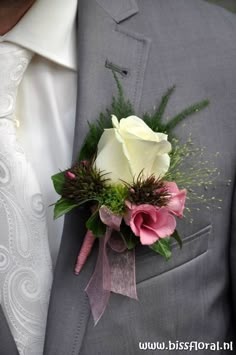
<point x="156" y="43"/>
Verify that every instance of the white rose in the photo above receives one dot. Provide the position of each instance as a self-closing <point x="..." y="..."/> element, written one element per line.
<point x="131" y="147"/>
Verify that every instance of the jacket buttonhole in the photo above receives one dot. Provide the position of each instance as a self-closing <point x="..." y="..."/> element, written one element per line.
<point x="124" y="72"/>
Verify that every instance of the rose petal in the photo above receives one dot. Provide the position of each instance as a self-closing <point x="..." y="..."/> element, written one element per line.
<point x="171" y="187"/>
<point x="177" y="200"/>
<point x="137" y="127"/>
<point x="148" y="236"/>
<point x="166" y="224"/>
<point x="151" y="152"/>
<point x="177" y="203"/>
<point x="130" y="148"/>
<point x="151" y="223"/>
<point x="111" y="158"/>
<point x="135" y="223"/>
<point x="160" y="165"/>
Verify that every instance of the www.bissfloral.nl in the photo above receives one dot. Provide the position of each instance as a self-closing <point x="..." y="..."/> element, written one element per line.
<point x="186" y="346"/>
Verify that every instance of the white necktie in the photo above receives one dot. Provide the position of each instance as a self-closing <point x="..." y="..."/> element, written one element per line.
<point x="25" y="263"/>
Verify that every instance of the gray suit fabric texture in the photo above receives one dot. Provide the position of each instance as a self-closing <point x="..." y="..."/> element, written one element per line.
<point x="192" y="297"/>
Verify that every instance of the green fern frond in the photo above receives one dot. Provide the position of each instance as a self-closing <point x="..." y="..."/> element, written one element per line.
<point x="120" y="107"/>
<point x="154" y="120"/>
<point x="184" y="114"/>
<point x="158" y="115"/>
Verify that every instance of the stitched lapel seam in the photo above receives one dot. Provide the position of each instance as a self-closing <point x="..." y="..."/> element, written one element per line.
<point x="78" y="328"/>
<point x="143" y="48"/>
<point x="119" y="10"/>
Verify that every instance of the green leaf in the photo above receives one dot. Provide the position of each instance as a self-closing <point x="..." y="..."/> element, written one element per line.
<point x="58" y="181"/>
<point x="95" y="224"/>
<point x="162" y="247"/>
<point x="128" y="236"/>
<point x="176" y="236"/>
<point x="63" y="206"/>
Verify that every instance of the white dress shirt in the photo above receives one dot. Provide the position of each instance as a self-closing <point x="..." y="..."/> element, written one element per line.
<point x="46" y="101"/>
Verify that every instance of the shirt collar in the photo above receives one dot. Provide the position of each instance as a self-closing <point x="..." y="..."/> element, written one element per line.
<point x="48" y="29"/>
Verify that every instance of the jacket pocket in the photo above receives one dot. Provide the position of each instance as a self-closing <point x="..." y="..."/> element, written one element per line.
<point x="150" y="264"/>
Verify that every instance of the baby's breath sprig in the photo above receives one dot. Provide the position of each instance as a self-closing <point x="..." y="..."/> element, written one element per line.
<point x="190" y="170"/>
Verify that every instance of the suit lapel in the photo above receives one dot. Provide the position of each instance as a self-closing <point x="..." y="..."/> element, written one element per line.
<point x="102" y="41"/>
<point x="7" y="343"/>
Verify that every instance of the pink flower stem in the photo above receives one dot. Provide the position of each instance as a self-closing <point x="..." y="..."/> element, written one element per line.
<point x="85" y="251"/>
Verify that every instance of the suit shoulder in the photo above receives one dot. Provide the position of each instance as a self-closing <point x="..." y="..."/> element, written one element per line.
<point x="214" y="14"/>
<point x="189" y="19"/>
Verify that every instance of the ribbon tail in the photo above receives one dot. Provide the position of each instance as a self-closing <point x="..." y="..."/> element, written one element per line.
<point x="123" y="275"/>
<point x="98" y="296"/>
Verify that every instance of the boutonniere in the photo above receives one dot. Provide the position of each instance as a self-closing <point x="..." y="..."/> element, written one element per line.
<point x="129" y="175"/>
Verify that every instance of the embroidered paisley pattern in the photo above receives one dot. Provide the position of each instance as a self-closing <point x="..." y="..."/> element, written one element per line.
<point x="25" y="263"/>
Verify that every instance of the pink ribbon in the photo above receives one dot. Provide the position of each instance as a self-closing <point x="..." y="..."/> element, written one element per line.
<point x="115" y="267"/>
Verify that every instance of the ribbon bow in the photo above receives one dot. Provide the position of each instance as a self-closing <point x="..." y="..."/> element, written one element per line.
<point x="115" y="267"/>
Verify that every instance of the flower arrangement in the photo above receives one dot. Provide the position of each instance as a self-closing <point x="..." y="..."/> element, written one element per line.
<point x="127" y="174"/>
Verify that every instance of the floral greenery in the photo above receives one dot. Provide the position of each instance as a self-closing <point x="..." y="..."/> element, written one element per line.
<point x="155" y="120"/>
<point x="83" y="184"/>
<point x="113" y="197"/>
<point x="123" y="108"/>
